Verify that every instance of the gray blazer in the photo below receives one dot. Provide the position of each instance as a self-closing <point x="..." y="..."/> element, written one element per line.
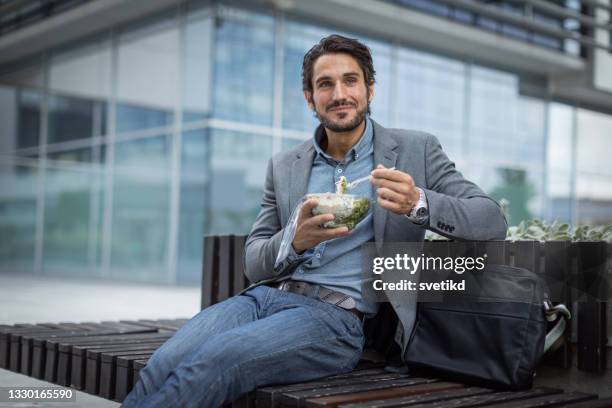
<point x="458" y="208"/>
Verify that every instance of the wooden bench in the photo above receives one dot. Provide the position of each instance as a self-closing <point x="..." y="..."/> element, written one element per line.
<point x="105" y="358"/>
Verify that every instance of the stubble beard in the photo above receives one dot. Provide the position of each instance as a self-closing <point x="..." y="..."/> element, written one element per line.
<point x="336" y="126"/>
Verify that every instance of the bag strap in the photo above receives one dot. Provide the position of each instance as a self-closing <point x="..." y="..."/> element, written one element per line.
<point x="554" y="337"/>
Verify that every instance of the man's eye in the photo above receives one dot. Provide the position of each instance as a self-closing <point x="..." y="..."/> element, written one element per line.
<point x="324" y="84"/>
<point x="351" y="80"/>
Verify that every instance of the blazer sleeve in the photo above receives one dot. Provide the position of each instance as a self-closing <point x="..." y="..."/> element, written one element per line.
<point x="263" y="243"/>
<point x="458" y="208"/>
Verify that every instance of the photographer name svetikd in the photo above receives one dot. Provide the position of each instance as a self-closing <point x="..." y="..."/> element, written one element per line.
<point x="405" y="284"/>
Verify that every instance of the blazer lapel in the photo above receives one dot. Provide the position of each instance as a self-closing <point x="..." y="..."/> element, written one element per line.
<point x="300" y="174"/>
<point x="384" y="153"/>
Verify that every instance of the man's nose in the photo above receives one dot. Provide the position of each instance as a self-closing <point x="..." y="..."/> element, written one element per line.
<point x="339" y="91"/>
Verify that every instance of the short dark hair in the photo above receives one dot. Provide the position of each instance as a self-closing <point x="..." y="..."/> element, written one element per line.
<point x="338" y="44"/>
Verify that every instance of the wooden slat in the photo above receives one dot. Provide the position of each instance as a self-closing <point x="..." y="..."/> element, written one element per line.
<point x="420" y="398"/>
<point x="51" y="348"/>
<point x="27" y="343"/>
<point x="495" y="251"/>
<point x="293" y="399"/>
<point x="494" y="399"/>
<point x="224" y="271"/>
<point x="76" y="375"/>
<point x="267" y="396"/>
<point x="239" y="280"/>
<point x="64" y="345"/>
<point x="23" y="354"/>
<point x="209" y="272"/>
<point x="137" y="366"/>
<point x="599" y="403"/>
<point x="124" y="375"/>
<point x="93" y="366"/>
<point x="245" y="401"/>
<point x="10" y="354"/>
<point x="27" y="347"/>
<point x="592" y="327"/>
<point x="557" y="268"/>
<point x="335" y="400"/>
<point x="162" y="325"/>
<point x="592" y="338"/>
<point x="108" y="368"/>
<point x="522" y="255"/>
<point x="546" y="401"/>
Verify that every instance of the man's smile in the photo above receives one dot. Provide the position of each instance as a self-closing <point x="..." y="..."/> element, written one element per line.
<point x="341" y="108"/>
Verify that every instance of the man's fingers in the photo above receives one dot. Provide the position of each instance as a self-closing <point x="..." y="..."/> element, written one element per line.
<point x="393" y="175"/>
<point x="389" y="205"/>
<point x="402" y="188"/>
<point x="391" y="195"/>
<point x="307" y="206"/>
<point x="317" y="220"/>
<point x="329" y="233"/>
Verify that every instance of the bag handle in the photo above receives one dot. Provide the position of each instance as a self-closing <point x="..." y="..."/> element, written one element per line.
<point x="554" y="337"/>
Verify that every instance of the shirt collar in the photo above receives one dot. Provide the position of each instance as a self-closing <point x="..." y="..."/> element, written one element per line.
<point x="358" y="149"/>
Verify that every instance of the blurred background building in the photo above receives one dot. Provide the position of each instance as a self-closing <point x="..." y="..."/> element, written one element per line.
<point x="131" y="128"/>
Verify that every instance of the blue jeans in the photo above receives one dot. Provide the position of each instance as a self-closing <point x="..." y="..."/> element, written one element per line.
<point x="264" y="336"/>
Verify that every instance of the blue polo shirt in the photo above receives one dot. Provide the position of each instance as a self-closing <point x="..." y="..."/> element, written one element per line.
<point x="337" y="264"/>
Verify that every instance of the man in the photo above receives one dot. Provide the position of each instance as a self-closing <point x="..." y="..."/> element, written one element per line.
<point x="302" y="319"/>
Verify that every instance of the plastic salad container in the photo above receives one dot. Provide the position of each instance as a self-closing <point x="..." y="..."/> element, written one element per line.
<point x="348" y="209"/>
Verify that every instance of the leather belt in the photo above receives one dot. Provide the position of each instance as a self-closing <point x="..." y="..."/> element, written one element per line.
<point x="326" y="295"/>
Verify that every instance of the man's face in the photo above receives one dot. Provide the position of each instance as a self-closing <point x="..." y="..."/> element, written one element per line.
<point x="340" y="96"/>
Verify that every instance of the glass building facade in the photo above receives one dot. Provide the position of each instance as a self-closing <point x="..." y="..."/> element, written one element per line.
<point x="119" y="152"/>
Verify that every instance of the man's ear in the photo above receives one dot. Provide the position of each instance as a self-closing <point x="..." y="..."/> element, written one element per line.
<point x="309" y="101"/>
<point x="370" y="92"/>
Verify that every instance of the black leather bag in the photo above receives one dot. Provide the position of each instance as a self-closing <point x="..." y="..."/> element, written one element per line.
<point x="495" y="340"/>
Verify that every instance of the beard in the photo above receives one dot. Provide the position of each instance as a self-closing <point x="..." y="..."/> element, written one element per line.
<point x="339" y="125"/>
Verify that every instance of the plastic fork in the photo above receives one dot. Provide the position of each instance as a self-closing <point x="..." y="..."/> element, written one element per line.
<point x="354" y="183"/>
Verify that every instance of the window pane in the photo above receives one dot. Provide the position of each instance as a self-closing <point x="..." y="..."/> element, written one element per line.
<point x="28" y="119"/>
<point x="133" y="117"/>
<point x="244" y="68"/>
<point x="193" y="202"/>
<point x="75" y="118"/>
<point x="140" y="209"/>
<point x="288" y="143"/>
<point x="8" y="119"/>
<point x="197" y="65"/>
<point x="430" y="97"/>
<point x="299" y="39"/>
<point x="148" y="72"/>
<point x="68" y="195"/>
<point x="519" y="187"/>
<point x="593" y="170"/>
<point x="493" y="112"/>
<point x="238" y="167"/>
<point x="18" y="192"/>
<point x="559" y="162"/>
<point x="506" y="143"/>
<point x="382" y="110"/>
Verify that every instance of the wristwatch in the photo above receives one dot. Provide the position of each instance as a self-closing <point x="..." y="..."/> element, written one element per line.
<point x="420" y="211"/>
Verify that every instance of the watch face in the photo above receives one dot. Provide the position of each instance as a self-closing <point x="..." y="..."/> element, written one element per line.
<point x="421" y="212"/>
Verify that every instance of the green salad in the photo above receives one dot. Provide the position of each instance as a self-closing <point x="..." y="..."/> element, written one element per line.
<point x="347" y="209"/>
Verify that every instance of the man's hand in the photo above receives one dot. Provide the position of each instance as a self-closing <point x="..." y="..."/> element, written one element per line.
<point x="309" y="231"/>
<point x="396" y="190"/>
